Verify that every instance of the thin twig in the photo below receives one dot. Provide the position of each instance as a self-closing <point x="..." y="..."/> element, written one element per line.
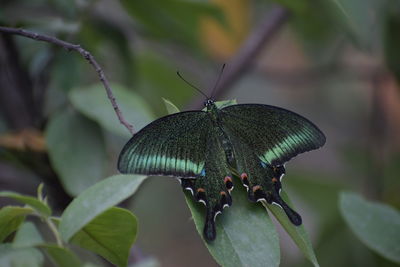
<point x="241" y="63"/>
<point x="86" y="54"/>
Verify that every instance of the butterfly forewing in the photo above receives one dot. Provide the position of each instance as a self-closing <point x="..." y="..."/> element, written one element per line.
<point x="172" y="145"/>
<point x="276" y="135"/>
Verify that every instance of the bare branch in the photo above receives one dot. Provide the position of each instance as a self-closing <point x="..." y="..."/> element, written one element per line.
<point x="241" y="63"/>
<point x="86" y="54"/>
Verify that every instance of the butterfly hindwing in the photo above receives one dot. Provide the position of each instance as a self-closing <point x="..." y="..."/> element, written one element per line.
<point x="276" y="135"/>
<point x="173" y="145"/>
<point x="262" y="181"/>
<point x="213" y="186"/>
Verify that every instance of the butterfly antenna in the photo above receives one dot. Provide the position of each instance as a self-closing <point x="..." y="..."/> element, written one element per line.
<point x="198" y="90"/>
<point x="219" y="78"/>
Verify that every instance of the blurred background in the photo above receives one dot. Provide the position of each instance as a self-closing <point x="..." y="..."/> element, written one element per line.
<point x="336" y="62"/>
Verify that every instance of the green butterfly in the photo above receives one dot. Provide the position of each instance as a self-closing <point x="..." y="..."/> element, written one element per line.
<point x="203" y="149"/>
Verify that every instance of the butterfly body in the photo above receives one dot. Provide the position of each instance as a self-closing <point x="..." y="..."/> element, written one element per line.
<point x="203" y="147"/>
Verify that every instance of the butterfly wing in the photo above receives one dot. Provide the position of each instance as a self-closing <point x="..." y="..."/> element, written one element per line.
<point x="262" y="181"/>
<point x="173" y="145"/>
<point x="274" y="134"/>
<point x="213" y="186"/>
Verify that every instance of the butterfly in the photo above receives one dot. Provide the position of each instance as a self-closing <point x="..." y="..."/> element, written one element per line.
<point x="204" y="148"/>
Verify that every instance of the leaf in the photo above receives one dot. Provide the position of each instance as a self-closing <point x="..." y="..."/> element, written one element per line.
<point x="110" y="234"/>
<point x="377" y="225"/>
<point x="246" y="235"/>
<point x="28" y="200"/>
<point x="96" y="200"/>
<point x="77" y="150"/>
<point x="20" y="257"/>
<point x="93" y="102"/>
<point x="11" y="218"/>
<point x="27" y="236"/>
<point x="297" y="233"/>
<point x="39" y="192"/>
<point x="171" y="108"/>
<point x="62" y="257"/>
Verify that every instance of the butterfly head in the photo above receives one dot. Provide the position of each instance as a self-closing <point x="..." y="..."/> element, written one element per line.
<point x="209" y="103"/>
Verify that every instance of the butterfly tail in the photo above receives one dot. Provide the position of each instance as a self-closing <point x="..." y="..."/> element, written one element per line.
<point x="293" y="216"/>
<point x="210" y="232"/>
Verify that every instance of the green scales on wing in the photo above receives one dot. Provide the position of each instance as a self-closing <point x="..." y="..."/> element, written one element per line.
<point x="173" y="145"/>
<point x="201" y="147"/>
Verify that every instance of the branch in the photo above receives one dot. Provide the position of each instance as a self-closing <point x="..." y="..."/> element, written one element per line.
<point x="87" y="55"/>
<point x="242" y="62"/>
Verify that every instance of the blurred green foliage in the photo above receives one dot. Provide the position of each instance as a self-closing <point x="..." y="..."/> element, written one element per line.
<point x="335" y="61"/>
<point x="90" y="222"/>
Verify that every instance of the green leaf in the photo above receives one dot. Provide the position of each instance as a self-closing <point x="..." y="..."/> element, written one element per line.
<point x="11" y="218"/>
<point x="93" y="102"/>
<point x="377" y="225"/>
<point x="171" y="108"/>
<point x="77" y="150"/>
<point x="110" y="234"/>
<point x="96" y="200"/>
<point x="246" y="235"/>
<point x="39" y="206"/>
<point x="297" y="233"/>
<point x="39" y="191"/>
<point x="20" y="257"/>
<point x="62" y="257"/>
<point x="27" y="236"/>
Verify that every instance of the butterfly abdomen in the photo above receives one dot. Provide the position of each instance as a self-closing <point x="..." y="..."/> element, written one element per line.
<point x="227" y="147"/>
<point x="223" y="137"/>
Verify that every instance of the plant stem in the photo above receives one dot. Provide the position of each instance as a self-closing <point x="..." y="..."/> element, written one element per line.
<point x="55" y="232"/>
